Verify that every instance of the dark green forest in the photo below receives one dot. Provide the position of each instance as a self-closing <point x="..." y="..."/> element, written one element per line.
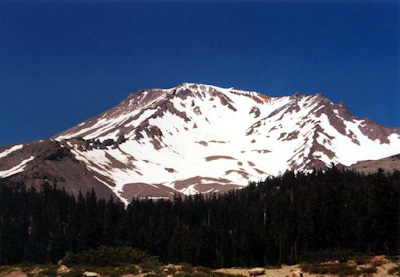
<point x="284" y="219"/>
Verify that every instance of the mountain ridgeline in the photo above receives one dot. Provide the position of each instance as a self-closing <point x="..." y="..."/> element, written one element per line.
<point x="285" y="219"/>
<point x="197" y="138"/>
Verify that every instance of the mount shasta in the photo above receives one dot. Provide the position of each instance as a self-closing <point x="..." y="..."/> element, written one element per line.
<point x="197" y="138"/>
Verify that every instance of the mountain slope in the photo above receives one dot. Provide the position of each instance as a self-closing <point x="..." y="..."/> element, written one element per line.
<point x="49" y="162"/>
<point x="388" y="164"/>
<point x="201" y="138"/>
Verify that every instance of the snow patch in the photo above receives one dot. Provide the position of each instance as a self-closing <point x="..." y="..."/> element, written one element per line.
<point x="9" y="150"/>
<point x="16" y="169"/>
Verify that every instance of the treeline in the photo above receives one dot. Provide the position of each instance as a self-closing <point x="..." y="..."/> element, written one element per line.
<point x="285" y="219"/>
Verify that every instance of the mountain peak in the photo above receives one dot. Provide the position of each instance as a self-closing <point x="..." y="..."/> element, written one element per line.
<point x="202" y="138"/>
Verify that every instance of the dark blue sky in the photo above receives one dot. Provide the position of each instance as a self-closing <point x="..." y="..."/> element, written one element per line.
<point x="61" y="63"/>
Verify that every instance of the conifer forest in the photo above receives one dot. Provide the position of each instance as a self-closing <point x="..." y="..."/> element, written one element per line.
<point x="284" y="219"/>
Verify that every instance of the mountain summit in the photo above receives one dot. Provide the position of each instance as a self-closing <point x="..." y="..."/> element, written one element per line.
<point x="198" y="138"/>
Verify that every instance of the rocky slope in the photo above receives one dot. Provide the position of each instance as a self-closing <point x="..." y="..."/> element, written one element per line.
<point x="388" y="164"/>
<point x="198" y="138"/>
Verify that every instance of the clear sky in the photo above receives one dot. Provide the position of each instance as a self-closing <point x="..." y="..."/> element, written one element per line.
<point x="63" y="62"/>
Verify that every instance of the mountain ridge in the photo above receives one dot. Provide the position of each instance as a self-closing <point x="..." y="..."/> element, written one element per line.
<point x="201" y="138"/>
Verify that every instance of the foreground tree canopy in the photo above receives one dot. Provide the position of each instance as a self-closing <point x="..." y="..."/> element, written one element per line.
<point x="285" y="219"/>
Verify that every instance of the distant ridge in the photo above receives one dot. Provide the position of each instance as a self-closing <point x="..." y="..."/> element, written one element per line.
<point x="388" y="164"/>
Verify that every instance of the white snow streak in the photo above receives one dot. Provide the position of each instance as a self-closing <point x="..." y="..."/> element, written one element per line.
<point x="16" y="169"/>
<point x="9" y="150"/>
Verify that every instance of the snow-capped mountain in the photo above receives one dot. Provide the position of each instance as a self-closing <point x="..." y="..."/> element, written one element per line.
<point x="199" y="138"/>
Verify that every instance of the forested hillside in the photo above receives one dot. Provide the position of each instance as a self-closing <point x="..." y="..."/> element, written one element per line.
<point x="284" y="219"/>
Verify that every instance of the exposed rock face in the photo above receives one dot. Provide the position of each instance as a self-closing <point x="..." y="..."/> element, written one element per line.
<point x="256" y="271"/>
<point x="197" y="138"/>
